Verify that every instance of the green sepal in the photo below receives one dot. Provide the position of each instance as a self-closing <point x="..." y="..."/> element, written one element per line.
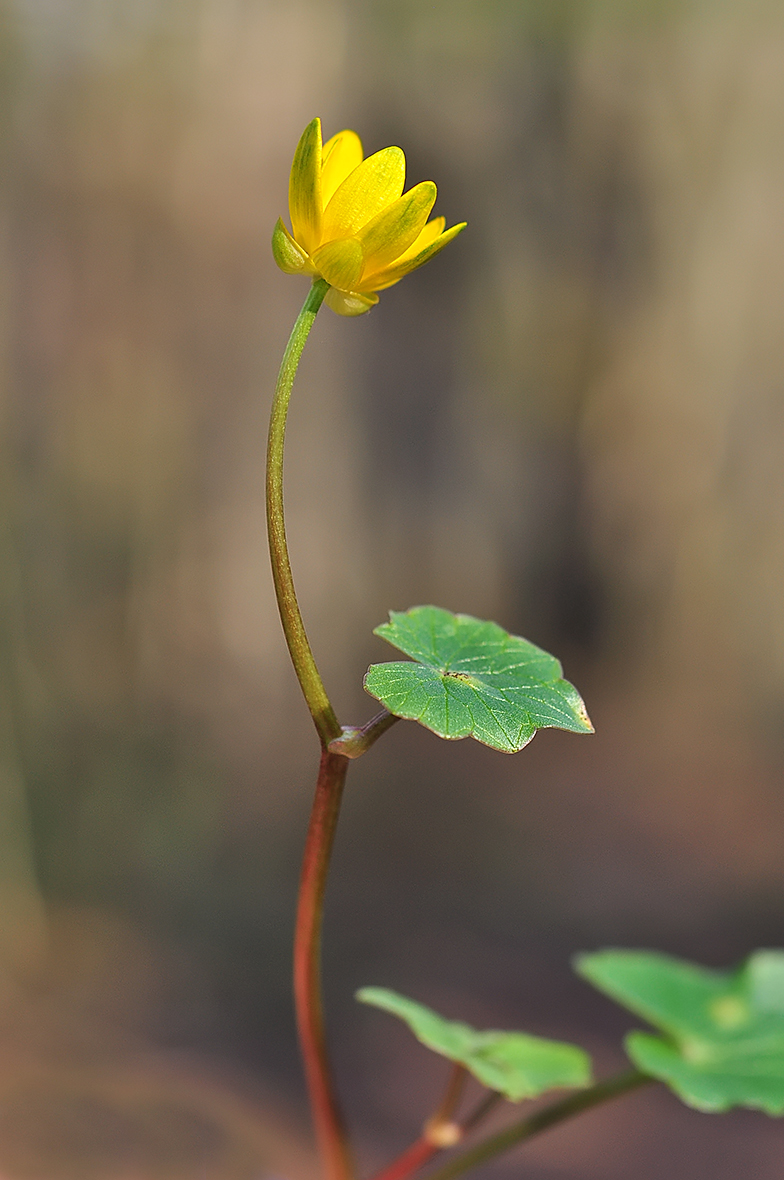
<point x="290" y="257"/>
<point x="515" y="1064"/>
<point x="473" y="679"/>
<point x="723" y="1042"/>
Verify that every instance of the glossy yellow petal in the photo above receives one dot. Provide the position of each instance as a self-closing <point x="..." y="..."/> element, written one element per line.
<point x="394" y="273"/>
<point x="340" y="263"/>
<point x="432" y="230"/>
<point x="349" y="302"/>
<point x="374" y="184"/>
<point x="339" y="156"/>
<point x="397" y="227"/>
<point x="289" y="256"/>
<point x="305" y="204"/>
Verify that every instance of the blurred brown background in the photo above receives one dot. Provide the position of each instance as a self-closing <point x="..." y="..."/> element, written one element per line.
<point x="572" y="422"/>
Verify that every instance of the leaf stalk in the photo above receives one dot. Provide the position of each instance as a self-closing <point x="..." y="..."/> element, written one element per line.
<point x="357" y="740"/>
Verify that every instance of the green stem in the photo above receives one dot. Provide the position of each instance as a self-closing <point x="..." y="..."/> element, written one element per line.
<point x="559" y="1112"/>
<point x="293" y="627"/>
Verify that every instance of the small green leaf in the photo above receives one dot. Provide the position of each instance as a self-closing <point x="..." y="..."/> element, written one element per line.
<point x="513" y="1063"/>
<point x="473" y="679"/>
<point x="724" y="1030"/>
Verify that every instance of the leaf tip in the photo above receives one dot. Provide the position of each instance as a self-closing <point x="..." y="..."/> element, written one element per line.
<point x="582" y="714"/>
<point x="377" y="997"/>
<point x="581" y="962"/>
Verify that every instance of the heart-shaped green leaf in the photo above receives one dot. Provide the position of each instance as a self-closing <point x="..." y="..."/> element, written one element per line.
<point x="724" y="1030"/>
<point x="473" y="679"/>
<point x="513" y="1063"/>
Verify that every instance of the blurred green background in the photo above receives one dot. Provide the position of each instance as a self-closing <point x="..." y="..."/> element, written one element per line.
<point x="572" y="422"/>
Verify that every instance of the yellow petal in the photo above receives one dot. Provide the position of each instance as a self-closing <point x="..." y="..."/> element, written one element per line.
<point x="340" y="263"/>
<point x="394" y="273"/>
<point x="340" y="156"/>
<point x="397" y="227"/>
<point x="374" y="184"/>
<point x="290" y="257"/>
<point x="305" y="206"/>
<point x="349" y="302"/>
<point x="432" y="230"/>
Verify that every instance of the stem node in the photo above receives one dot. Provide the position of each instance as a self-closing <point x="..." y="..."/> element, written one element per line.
<point x="442" y="1134"/>
<point x="354" y="741"/>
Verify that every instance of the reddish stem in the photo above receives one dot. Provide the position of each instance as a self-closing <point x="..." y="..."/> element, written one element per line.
<point x="439" y="1132"/>
<point x="328" y="1119"/>
<point x="413" y="1158"/>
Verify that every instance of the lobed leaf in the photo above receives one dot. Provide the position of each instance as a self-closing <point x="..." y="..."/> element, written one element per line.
<point x="473" y="679"/>
<point x="724" y="1030"/>
<point x="515" y="1064"/>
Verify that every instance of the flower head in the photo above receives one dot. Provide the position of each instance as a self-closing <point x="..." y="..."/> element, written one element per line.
<point x="351" y="222"/>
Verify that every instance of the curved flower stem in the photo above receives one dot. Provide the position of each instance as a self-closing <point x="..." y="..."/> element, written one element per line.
<point x="327" y="1117"/>
<point x="294" y="629"/>
<point x="559" y="1112"/>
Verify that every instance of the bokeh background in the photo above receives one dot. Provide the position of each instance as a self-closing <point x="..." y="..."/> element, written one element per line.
<point x="571" y="422"/>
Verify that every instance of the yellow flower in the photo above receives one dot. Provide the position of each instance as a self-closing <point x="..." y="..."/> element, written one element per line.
<point x="351" y="222"/>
